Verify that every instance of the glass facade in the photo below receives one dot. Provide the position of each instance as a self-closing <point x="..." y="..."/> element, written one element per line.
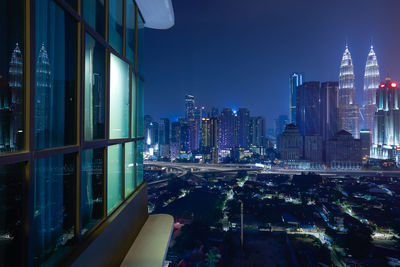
<point x="119" y="98"/>
<point x="93" y="13"/>
<point x="11" y="213"/>
<point x="94" y="89"/>
<point x="54" y="207"/>
<point x="81" y="156"/>
<point x="114" y="177"/>
<point x="12" y="85"/>
<point x="115" y="27"/>
<point x="92" y="188"/>
<point x="55" y="92"/>
<point x="129" y="168"/>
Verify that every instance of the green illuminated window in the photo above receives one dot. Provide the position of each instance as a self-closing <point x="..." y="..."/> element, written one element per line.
<point x="114" y="176"/>
<point x="129" y="168"/>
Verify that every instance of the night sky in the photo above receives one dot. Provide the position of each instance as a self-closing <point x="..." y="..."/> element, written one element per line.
<point x="235" y="53"/>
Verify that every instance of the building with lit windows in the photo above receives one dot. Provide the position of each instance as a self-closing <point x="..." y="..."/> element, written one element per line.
<point x="291" y="144"/>
<point x="371" y="83"/>
<point x="386" y="141"/>
<point x="295" y="81"/>
<point x="348" y="108"/>
<point x="71" y="134"/>
<point x="189" y="106"/>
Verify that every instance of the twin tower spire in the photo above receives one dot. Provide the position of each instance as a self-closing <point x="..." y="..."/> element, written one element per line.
<point x="348" y="109"/>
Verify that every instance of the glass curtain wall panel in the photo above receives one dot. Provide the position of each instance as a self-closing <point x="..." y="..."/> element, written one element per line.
<point x="114" y="177"/>
<point x="140" y="108"/>
<point x="12" y="214"/>
<point x="94" y="89"/>
<point x="130" y="30"/>
<point x="94" y="14"/>
<point x="133" y="104"/>
<point x="119" y="98"/>
<point x="55" y="88"/>
<point x="140" y="45"/>
<point x="115" y="26"/>
<point x="139" y="162"/>
<point x="53" y="208"/>
<point x="92" y="188"/>
<point x="129" y="168"/>
<point x="12" y="45"/>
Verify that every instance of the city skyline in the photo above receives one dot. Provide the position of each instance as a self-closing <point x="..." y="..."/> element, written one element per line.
<point x="214" y="78"/>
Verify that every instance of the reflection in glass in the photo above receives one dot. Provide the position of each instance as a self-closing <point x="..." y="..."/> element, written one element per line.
<point x="140" y="108"/>
<point x="53" y="207"/>
<point x="140" y="44"/>
<point x="94" y="89"/>
<point x="115" y="28"/>
<point x="94" y="14"/>
<point x="130" y="30"/>
<point x="133" y="104"/>
<point x="11" y="77"/>
<point x="92" y="188"/>
<point x="114" y="176"/>
<point x="11" y="214"/>
<point x="139" y="162"/>
<point x="129" y="168"/>
<point x="55" y="95"/>
<point x="119" y="98"/>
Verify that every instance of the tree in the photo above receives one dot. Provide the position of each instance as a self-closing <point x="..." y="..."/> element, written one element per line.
<point x="212" y="257"/>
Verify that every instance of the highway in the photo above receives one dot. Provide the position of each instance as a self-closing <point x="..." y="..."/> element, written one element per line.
<point x="204" y="168"/>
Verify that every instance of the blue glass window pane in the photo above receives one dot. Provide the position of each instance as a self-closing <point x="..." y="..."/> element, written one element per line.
<point x="129" y="168"/>
<point x="94" y="89"/>
<point x="114" y="176"/>
<point x="11" y="76"/>
<point x="140" y="44"/>
<point x="55" y="92"/>
<point x="115" y="27"/>
<point x="54" y="208"/>
<point x="94" y="14"/>
<point x="139" y="162"/>
<point x="119" y="98"/>
<point x="133" y="104"/>
<point x="11" y="214"/>
<point x="140" y="108"/>
<point x="130" y="30"/>
<point x="92" y="188"/>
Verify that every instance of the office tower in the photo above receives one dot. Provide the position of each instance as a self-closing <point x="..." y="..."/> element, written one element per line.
<point x="291" y="143"/>
<point x="175" y="139"/>
<point x="366" y="141"/>
<point x="209" y="139"/>
<point x="185" y="138"/>
<point x="386" y="141"/>
<point x="199" y="114"/>
<point x="257" y="134"/>
<point x="329" y="109"/>
<point x="308" y="115"/>
<point x="343" y="151"/>
<point x="295" y="81"/>
<point x="213" y="113"/>
<point x="72" y="190"/>
<point x="189" y="106"/>
<point x="226" y="129"/>
<point x="348" y="109"/>
<point x="194" y="134"/>
<point x="280" y="124"/>
<point x="371" y="84"/>
<point x="313" y="148"/>
<point x="164" y="138"/>
<point x="243" y="127"/>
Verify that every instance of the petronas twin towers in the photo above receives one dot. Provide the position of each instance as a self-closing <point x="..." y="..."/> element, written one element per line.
<point x="348" y="109"/>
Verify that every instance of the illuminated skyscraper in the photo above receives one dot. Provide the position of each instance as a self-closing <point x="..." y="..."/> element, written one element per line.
<point x="243" y="127"/>
<point x="371" y="84"/>
<point x="295" y="80"/>
<point x="189" y="106"/>
<point x="226" y="129"/>
<point x="348" y="109"/>
<point x="386" y="141"/>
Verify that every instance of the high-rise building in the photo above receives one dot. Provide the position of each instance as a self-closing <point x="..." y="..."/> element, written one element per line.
<point x="348" y="108"/>
<point x="243" y="127"/>
<point x="189" y="106"/>
<point x="72" y="134"/>
<point x="371" y="84"/>
<point x="386" y="141"/>
<point x="308" y="105"/>
<point x="213" y="113"/>
<point x="295" y="81"/>
<point x="164" y="138"/>
<point x="257" y="134"/>
<point x="209" y="139"/>
<point x="343" y="151"/>
<point x="313" y="148"/>
<point x="291" y="143"/>
<point x="366" y="141"/>
<point x="329" y="109"/>
<point x="226" y="129"/>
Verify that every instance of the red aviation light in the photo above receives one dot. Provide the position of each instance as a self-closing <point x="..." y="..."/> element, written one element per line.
<point x="393" y="85"/>
<point x="382" y="85"/>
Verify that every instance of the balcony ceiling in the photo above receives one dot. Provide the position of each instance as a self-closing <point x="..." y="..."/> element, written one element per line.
<point x="157" y="14"/>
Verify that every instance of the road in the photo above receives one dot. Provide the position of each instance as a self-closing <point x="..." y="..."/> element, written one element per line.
<point x="204" y="168"/>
